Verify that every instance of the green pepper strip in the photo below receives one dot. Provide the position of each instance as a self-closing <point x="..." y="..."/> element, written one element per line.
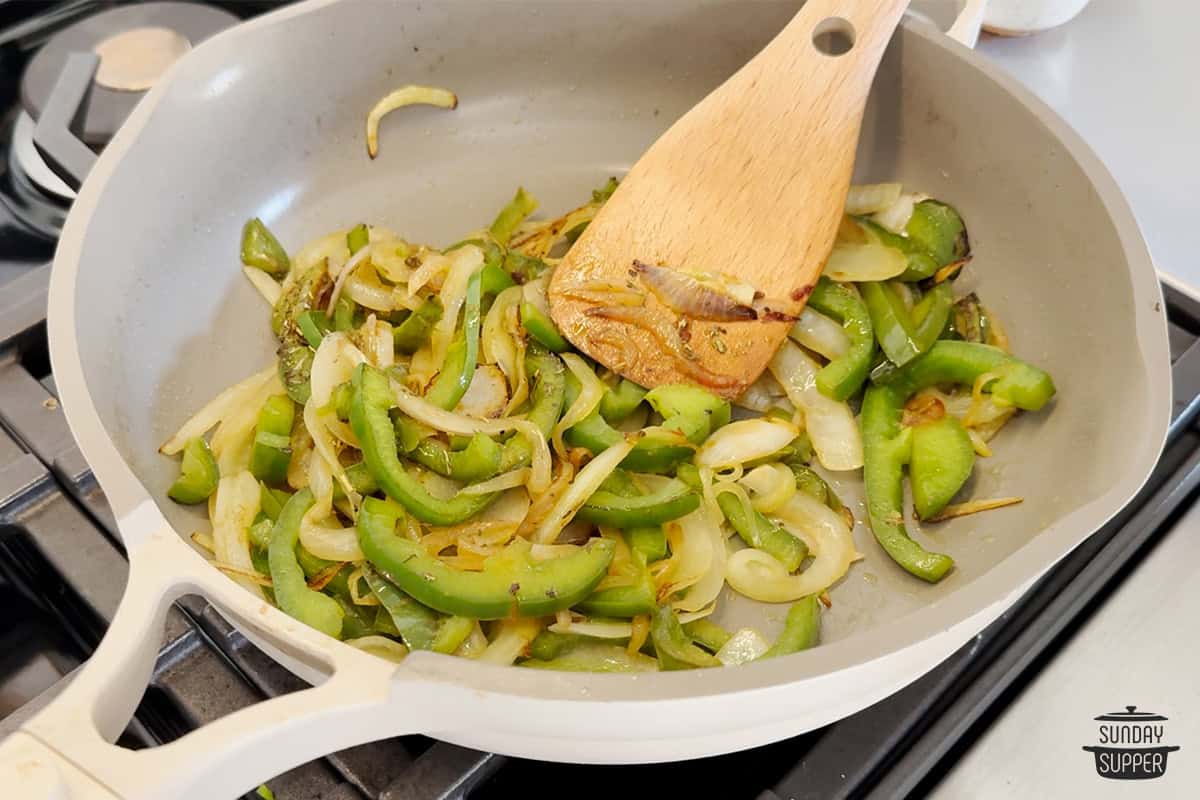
<point x="931" y="315"/>
<point x="314" y="326"/>
<point x="761" y="534"/>
<point x="891" y="322"/>
<point x="548" y="644"/>
<point x="287" y="578"/>
<point x="887" y="448"/>
<point x="649" y="542"/>
<point x="521" y="206"/>
<point x="523" y="268"/>
<point x="843" y="376"/>
<point x="494" y="280"/>
<point x="801" y="630"/>
<point x="618" y="403"/>
<point x="415" y="330"/>
<point x="198" y="474"/>
<point x="451" y="634"/>
<point x="371" y="424"/>
<point x="636" y="598"/>
<point x="674" y="648"/>
<point x="479" y="461"/>
<point x="940" y="464"/>
<point x="547" y="399"/>
<point x="812" y="484"/>
<point x="542" y="328"/>
<point x="357" y="238"/>
<point x="707" y="633"/>
<point x="937" y="229"/>
<point x="508" y="582"/>
<point x="272" y="440"/>
<point x="672" y="501"/>
<point x="415" y="623"/>
<point x="271" y="501"/>
<point x="343" y="314"/>
<point x="261" y="250"/>
<point x="459" y="368"/>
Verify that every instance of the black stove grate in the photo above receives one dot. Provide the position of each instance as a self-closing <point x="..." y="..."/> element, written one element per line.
<point x="61" y="560"/>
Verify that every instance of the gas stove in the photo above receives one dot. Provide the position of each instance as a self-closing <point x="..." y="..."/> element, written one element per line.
<point x="62" y="569"/>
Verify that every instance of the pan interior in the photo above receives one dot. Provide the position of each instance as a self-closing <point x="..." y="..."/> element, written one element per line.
<point x="557" y="97"/>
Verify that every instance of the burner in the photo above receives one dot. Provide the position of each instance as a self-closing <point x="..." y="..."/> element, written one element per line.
<point x="136" y="44"/>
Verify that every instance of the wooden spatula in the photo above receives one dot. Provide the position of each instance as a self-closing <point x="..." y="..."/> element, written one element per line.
<point x="746" y="190"/>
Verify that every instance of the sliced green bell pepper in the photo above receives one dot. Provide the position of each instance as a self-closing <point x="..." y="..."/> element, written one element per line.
<point x="547" y="398"/>
<point x="292" y="594"/>
<point x="620" y="401"/>
<point x="638" y="597"/>
<point x="314" y="325"/>
<point x="941" y="462"/>
<point x="842" y="377"/>
<point x="887" y="448"/>
<point x="451" y="634"/>
<point x="801" y="630"/>
<point x="891" y="322"/>
<point x="261" y="250"/>
<point x="542" y="328"/>
<point x="938" y="229"/>
<point x="760" y="533"/>
<point x="462" y="358"/>
<point x="198" y="474"/>
<point x="931" y="315"/>
<point x="509" y="582"/>
<point x="672" y="501"/>
<point x="415" y="624"/>
<point x="478" y="461"/>
<point x="674" y="648"/>
<point x="415" y="330"/>
<point x="357" y="238"/>
<point x="707" y="633"/>
<point x="273" y="440"/>
<point x="371" y="424"/>
<point x="512" y="215"/>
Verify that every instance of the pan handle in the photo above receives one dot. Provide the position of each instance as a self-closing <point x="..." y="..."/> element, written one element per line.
<point x="67" y="752"/>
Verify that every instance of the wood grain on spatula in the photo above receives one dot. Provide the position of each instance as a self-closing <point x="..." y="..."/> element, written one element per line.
<point x="750" y="184"/>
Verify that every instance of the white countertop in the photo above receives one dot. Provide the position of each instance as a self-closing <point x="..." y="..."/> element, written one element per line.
<point x="1124" y="74"/>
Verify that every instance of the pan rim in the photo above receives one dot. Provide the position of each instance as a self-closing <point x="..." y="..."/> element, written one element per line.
<point x="965" y="604"/>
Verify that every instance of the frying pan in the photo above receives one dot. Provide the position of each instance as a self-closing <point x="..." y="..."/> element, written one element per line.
<point x="150" y="317"/>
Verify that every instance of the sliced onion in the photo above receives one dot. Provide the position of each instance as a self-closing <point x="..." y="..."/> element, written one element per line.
<point x="377" y="335"/>
<point x="705" y="590"/>
<point x="389" y="256"/>
<point x="333" y="365"/>
<point x="745" y="440"/>
<point x="364" y="288"/>
<point x="614" y="629"/>
<point x="743" y="647"/>
<point x="763" y="395"/>
<point x="591" y="392"/>
<point x="440" y="419"/>
<point x="867" y="198"/>
<point x="325" y="447"/>
<point x="691" y="557"/>
<point x="474" y="645"/>
<point x="773" y="486"/>
<point x="549" y="552"/>
<point x="404" y="96"/>
<point x="487" y="395"/>
<point x="464" y="262"/>
<point x="233" y="398"/>
<point x="330" y="542"/>
<point x="432" y="272"/>
<point x="267" y="286"/>
<point x="331" y="249"/>
<point x="863" y="258"/>
<point x="235" y="506"/>
<point x="507" y="480"/>
<point x="495" y="341"/>
<point x="687" y="297"/>
<point x="830" y="423"/>
<point x="381" y="646"/>
<point x="585" y="484"/>
<point x="512" y="637"/>
<point x="233" y="441"/>
<point x="896" y="216"/>
<point x="760" y="576"/>
<point x="819" y="333"/>
<point x="343" y="274"/>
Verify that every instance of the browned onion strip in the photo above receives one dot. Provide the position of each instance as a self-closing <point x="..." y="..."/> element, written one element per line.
<point x="688" y="297"/>
<point x="667" y="337"/>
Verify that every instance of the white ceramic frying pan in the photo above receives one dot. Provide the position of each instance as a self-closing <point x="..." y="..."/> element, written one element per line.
<point x="150" y="316"/>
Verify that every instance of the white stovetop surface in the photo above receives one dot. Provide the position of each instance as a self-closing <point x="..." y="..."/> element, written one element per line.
<point x="1124" y="74"/>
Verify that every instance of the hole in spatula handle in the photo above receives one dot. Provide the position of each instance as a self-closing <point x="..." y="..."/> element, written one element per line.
<point x="833" y="36"/>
